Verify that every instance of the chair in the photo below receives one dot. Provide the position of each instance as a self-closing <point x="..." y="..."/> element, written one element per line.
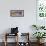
<point x="25" y="43"/>
<point x="14" y="32"/>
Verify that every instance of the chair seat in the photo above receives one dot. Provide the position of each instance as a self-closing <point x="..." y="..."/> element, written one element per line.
<point x="9" y="34"/>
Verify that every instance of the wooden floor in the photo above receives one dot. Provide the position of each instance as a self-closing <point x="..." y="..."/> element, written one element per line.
<point x="13" y="44"/>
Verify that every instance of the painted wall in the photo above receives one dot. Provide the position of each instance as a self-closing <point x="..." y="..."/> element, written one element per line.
<point x="24" y="23"/>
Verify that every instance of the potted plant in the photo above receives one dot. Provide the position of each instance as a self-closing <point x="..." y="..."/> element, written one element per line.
<point x="38" y="27"/>
<point x="39" y="35"/>
<point x="35" y="26"/>
<point x="42" y="27"/>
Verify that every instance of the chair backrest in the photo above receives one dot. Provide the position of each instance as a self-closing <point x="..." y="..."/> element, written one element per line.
<point x="14" y="30"/>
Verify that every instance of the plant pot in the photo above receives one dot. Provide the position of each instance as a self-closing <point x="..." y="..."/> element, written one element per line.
<point x="40" y="41"/>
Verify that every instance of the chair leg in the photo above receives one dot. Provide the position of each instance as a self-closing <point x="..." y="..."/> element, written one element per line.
<point x="5" y="40"/>
<point x="5" y="43"/>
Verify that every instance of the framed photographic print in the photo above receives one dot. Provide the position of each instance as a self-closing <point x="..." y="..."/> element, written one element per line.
<point x="41" y="8"/>
<point x="41" y="12"/>
<point x="17" y="13"/>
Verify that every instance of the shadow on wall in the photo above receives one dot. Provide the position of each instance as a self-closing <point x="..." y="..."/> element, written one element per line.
<point x="32" y="30"/>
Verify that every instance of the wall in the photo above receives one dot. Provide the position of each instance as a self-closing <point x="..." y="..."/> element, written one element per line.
<point x="24" y="23"/>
